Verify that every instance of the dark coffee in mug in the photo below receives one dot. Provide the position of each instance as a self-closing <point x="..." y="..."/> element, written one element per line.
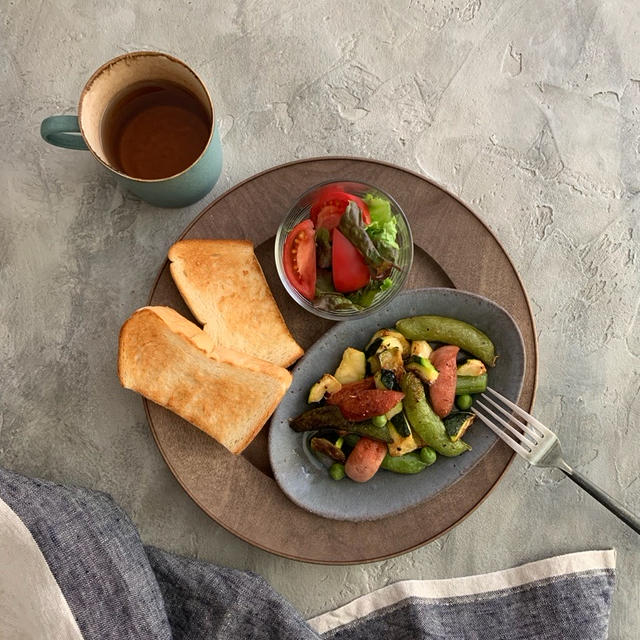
<point x="154" y="130"/>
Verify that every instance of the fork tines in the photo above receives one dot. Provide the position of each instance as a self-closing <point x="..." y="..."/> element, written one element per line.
<point x="527" y="432"/>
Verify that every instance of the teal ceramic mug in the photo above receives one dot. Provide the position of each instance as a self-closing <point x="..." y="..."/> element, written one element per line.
<point x="105" y="86"/>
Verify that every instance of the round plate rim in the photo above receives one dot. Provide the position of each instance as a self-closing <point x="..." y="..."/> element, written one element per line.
<point x="535" y="355"/>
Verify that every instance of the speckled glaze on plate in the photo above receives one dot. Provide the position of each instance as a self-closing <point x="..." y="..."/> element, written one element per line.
<point x="306" y="482"/>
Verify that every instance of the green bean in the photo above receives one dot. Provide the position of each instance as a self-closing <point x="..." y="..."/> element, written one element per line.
<point x="354" y="229"/>
<point x="350" y="439"/>
<point x="336" y="471"/>
<point x="330" y="417"/>
<point x="424" y="421"/>
<point x="464" y="402"/>
<point x="428" y="455"/>
<point x="449" y="331"/>
<point x="369" y="430"/>
<point x="466" y="385"/>
<point x="408" y="463"/>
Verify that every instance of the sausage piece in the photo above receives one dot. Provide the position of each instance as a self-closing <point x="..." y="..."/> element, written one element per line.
<point x="442" y="392"/>
<point x="367" y="404"/>
<point x="365" y="459"/>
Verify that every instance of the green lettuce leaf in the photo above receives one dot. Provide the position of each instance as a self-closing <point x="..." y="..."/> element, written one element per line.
<point x="364" y="297"/>
<point x="383" y="229"/>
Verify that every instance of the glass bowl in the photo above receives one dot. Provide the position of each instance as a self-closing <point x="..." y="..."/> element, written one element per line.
<point x="301" y="210"/>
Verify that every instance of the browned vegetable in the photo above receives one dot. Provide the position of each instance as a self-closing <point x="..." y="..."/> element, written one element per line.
<point x="322" y="445"/>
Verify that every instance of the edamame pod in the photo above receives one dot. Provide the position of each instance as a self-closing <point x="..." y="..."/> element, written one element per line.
<point x="466" y="385"/>
<point x="408" y="463"/>
<point x="424" y="421"/>
<point x="449" y="331"/>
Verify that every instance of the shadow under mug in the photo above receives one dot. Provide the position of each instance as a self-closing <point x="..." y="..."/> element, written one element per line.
<point x="113" y="77"/>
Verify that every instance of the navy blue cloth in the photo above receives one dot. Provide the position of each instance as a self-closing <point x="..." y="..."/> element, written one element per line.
<point x="117" y="588"/>
<point x="205" y="602"/>
<point x="96" y="556"/>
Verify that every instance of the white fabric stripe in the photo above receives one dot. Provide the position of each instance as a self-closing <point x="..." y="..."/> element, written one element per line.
<point x="470" y="585"/>
<point x="32" y="606"/>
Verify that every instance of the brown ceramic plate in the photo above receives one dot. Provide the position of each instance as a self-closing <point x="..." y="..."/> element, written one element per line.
<point x="260" y="513"/>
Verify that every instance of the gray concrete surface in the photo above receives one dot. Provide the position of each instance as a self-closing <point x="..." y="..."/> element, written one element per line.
<point x="529" y="111"/>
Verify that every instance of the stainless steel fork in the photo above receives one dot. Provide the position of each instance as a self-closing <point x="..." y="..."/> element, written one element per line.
<point x="540" y="446"/>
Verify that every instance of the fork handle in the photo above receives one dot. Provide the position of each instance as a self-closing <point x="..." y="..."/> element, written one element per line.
<point x="617" y="508"/>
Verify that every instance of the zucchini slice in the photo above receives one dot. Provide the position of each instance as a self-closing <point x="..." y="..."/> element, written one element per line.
<point x="390" y="333"/>
<point x="421" y="348"/>
<point x="391" y="360"/>
<point x="386" y="379"/>
<point x="472" y="367"/>
<point x="401" y="424"/>
<point x="373" y="364"/>
<point x="326" y="384"/>
<point x="372" y="347"/>
<point x="400" y="444"/>
<point x="457" y="423"/>
<point x="352" y="367"/>
<point x="423" y="368"/>
<point x="389" y="342"/>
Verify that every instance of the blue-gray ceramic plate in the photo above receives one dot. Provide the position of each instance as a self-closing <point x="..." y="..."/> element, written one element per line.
<point x="306" y="481"/>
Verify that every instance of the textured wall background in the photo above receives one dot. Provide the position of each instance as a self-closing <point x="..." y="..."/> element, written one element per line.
<point x="529" y="111"/>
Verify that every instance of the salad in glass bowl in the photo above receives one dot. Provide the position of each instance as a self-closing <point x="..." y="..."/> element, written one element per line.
<point x="344" y="249"/>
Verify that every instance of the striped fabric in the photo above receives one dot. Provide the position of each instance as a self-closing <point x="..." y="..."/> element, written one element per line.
<point x="563" y="597"/>
<point x="72" y="567"/>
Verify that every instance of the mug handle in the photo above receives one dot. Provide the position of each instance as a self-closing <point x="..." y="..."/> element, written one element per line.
<point x="61" y="131"/>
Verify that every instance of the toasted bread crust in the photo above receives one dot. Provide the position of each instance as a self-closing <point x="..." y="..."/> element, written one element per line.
<point x="227" y="394"/>
<point x="223" y="284"/>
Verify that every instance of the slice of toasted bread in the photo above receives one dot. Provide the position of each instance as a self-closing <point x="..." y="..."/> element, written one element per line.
<point x="171" y="361"/>
<point x="222" y="283"/>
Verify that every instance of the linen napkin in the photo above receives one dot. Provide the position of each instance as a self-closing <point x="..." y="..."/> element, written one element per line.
<point x="72" y="566"/>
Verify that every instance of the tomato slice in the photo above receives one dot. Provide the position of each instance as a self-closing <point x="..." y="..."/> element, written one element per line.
<point x="329" y="217"/>
<point x="349" y="269"/>
<point x="366" y="216"/>
<point x="329" y="196"/>
<point x="300" y="258"/>
<point x="333" y="200"/>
